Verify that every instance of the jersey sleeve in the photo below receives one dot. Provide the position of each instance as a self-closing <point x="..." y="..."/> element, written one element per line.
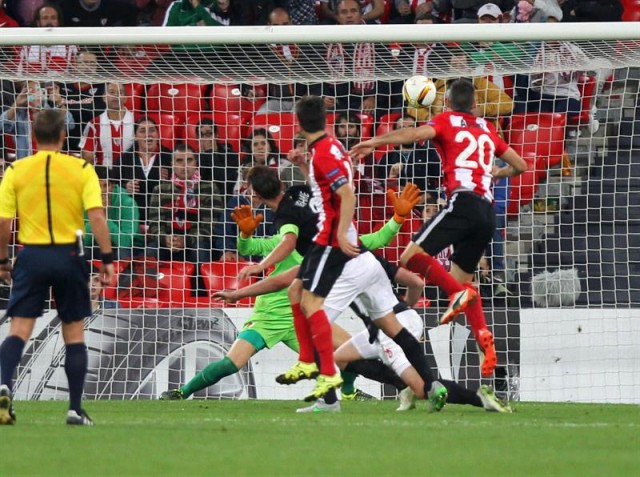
<point x="8" y="202"/>
<point x="382" y="237"/>
<point x="91" y="193"/>
<point x="437" y="124"/>
<point x="501" y="144"/>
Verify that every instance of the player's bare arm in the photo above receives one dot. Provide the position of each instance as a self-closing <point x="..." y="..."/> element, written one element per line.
<point x="398" y="136"/>
<point x="5" y="263"/>
<point x="299" y="159"/>
<point x="516" y="165"/>
<point x="414" y="284"/>
<point x="100" y="229"/>
<point x="283" y="250"/>
<point x="347" y="209"/>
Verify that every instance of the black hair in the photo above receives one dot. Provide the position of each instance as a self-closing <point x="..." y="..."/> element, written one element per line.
<point x="207" y="122"/>
<point x="461" y="95"/>
<point x="312" y="114"/>
<point x="49" y="125"/>
<point x="264" y="181"/>
<point x="246" y="144"/>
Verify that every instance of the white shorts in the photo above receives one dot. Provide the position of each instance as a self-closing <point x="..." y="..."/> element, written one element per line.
<point x="362" y="277"/>
<point x="385" y="348"/>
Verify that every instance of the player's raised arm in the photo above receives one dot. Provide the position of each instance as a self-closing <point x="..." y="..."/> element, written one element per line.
<point x="517" y="165"/>
<point x="397" y="136"/>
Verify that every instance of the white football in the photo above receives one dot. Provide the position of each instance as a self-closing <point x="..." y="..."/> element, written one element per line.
<point x="419" y="91"/>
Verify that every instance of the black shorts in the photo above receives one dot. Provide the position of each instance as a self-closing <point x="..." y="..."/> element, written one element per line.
<point x="320" y="268"/>
<point x="467" y="222"/>
<point x="57" y="267"/>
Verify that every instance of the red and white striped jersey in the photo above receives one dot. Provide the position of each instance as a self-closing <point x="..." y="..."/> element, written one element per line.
<point x="34" y="59"/>
<point x="329" y="169"/>
<point x="107" y="139"/>
<point x="467" y="146"/>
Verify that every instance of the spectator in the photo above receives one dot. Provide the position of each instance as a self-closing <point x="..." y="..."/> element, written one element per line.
<point x="111" y="133"/>
<point x="591" y="10"/>
<point x="191" y="13"/>
<point x="347" y="129"/>
<point x="99" y="13"/>
<point x="5" y="20"/>
<point x="536" y="11"/>
<point x="256" y="12"/>
<point x="123" y="218"/>
<point x="83" y="100"/>
<point x="278" y="62"/>
<point x="16" y="120"/>
<point x="370" y="10"/>
<point x="409" y="11"/>
<point x="218" y="162"/>
<point x="152" y="12"/>
<point x="409" y="163"/>
<point x="39" y="59"/>
<point x="226" y="232"/>
<point x="466" y="11"/>
<point x="143" y="165"/>
<point x="357" y="60"/>
<point x="556" y="90"/>
<point x="260" y="149"/>
<point x="495" y="253"/>
<point x="182" y="212"/>
<point x="303" y="12"/>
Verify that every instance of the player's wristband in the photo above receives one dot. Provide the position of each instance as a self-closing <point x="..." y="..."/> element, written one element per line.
<point x="4" y="261"/>
<point x="398" y="218"/>
<point x="107" y="258"/>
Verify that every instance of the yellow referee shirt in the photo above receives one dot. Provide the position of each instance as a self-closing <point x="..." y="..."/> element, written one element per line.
<point x="49" y="192"/>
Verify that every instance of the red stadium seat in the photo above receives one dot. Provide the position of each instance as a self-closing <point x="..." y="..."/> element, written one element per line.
<point x="366" y="125"/>
<point x="223" y="275"/>
<point x="135" y="95"/>
<point x="631" y="11"/>
<point x="180" y="99"/>
<point x="169" y="127"/>
<point x="110" y="291"/>
<point x="587" y="85"/>
<point x="522" y="188"/>
<point x="174" y="281"/>
<point x="227" y="98"/>
<point x="386" y="124"/>
<point x="538" y="134"/>
<point x="282" y="127"/>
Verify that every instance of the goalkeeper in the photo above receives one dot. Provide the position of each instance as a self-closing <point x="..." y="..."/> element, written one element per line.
<point x="272" y="319"/>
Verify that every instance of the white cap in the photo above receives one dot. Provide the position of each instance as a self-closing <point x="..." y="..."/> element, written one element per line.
<point x="490" y="9"/>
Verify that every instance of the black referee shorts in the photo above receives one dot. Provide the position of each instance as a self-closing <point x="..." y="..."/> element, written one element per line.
<point x="320" y="268"/>
<point x="39" y="268"/>
<point x="467" y="222"/>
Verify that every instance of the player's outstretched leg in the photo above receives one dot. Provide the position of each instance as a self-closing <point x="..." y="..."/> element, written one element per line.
<point x="324" y="384"/>
<point x="459" y="302"/>
<point x="7" y="414"/>
<point x="491" y="402"/>
<point x="487" y="349"/>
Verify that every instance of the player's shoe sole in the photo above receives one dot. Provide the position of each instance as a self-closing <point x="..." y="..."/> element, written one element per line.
<point x="324" y="384"/>
<point x="487" y="351"/>
<point x="298" y="372"/>
<point x="437" y="397"/>
<point x="459" y="302"/>
<point x="79" y="419"/>
<point x="491" y="402"/>
<point x="7" y="414"/>
<point x="407" y="400"/>
<point x="171" y="395"/>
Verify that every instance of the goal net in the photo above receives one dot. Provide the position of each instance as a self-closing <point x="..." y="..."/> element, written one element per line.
<point x="175" y="118"/>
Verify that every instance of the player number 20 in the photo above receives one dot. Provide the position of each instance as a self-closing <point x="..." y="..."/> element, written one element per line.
<point x="479" y="146"/>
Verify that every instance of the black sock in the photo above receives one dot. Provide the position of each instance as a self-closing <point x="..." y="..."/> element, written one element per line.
<point x="415" y="354"/>
<point x="331" y="397"/>
<point x="376" y="370"/>
<point x="10" y="356"/>
<point x="460" y="395"/>
<point x="75" y="365"/>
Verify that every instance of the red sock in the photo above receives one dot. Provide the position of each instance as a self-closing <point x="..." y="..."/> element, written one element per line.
<point x="434" y="272"/>
<point x="322" y="341"/>
<point x="475" y="314"/>
<point x="303" y="333"/>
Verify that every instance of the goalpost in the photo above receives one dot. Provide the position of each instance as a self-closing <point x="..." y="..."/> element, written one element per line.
<point x="560" y="286"/>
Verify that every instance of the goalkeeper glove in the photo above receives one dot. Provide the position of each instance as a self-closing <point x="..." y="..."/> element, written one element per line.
<point x="405" y="202"/>
<point x="247" y="223"/>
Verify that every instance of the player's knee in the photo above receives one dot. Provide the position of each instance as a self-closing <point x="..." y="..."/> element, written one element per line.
<point x="294" y="291"/>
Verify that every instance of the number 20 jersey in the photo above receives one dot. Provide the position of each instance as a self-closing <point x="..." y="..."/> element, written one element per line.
<point x="467" y="146"/>
<point x="329" y="169"/>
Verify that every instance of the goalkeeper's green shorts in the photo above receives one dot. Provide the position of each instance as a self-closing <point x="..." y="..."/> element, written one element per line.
<point x="261" y="335"/>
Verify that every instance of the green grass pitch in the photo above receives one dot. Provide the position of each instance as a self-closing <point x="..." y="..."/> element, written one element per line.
<point x="267" y="438"/>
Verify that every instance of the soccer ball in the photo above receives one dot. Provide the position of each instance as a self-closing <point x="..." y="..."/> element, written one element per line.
<point x="419" y="92"/>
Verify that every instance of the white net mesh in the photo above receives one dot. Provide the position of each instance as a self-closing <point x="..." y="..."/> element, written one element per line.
<point x="560" y="285"/>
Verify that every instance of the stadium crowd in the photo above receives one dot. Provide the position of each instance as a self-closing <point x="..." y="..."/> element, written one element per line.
<point x="174" y="158"/>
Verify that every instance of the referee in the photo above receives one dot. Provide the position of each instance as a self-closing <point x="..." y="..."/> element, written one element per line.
<point x="49" y="192"/>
